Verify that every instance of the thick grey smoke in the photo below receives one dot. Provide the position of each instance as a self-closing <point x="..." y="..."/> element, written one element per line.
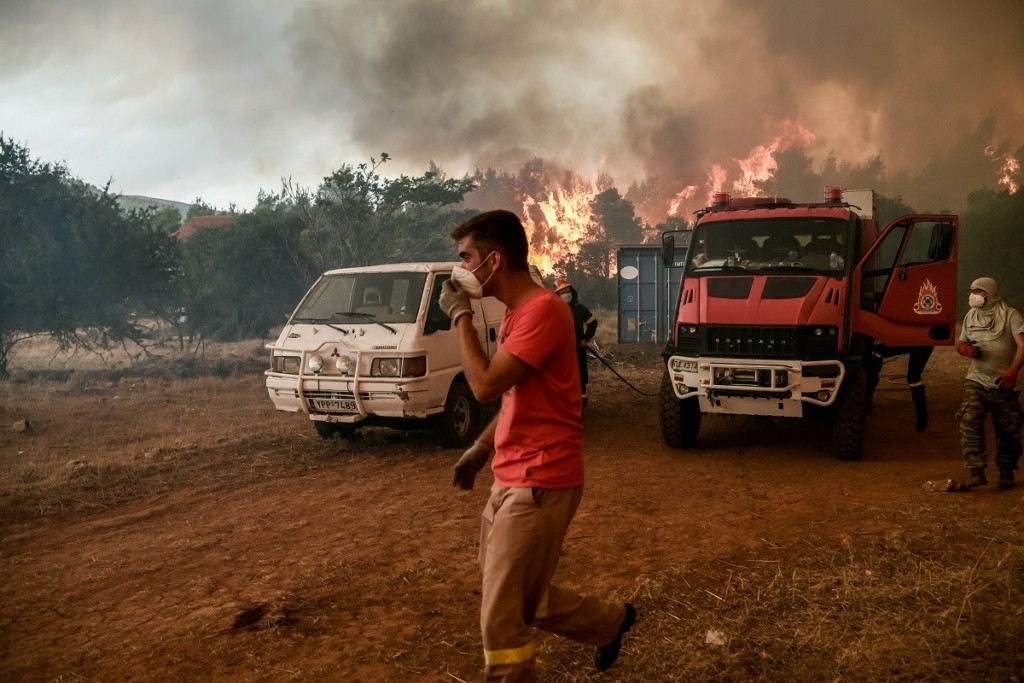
<point x="665" y="88"/>
<point x="633" y="88"/>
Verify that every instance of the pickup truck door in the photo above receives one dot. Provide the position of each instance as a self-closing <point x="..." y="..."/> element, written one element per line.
<point x="490" y="313"/>
<point x="907" y="283"/>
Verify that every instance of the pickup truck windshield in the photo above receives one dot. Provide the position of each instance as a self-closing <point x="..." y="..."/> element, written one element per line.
<point x="788" y="244"/>
<point x="362" y="298"/>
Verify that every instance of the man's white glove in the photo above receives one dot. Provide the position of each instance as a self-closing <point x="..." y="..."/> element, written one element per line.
<point x="453" y="301"/>
<point x="471" y="462"/>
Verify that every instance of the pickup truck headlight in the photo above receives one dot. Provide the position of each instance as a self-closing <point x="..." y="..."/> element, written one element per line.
<point x="288" y="365"/>
<point x="345" y="364"/>
<point x="315" y="362"/>
<point x="416" y="366"/>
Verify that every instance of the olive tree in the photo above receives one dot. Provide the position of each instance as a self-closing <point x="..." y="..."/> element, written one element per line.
<point x="73" y="265"/>
<point x="359" y="217"/>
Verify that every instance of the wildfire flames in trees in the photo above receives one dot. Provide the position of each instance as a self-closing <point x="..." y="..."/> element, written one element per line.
<point x="1009" y="167"/>
<point x="560" y="219"/>
<point x="559" y="223"/>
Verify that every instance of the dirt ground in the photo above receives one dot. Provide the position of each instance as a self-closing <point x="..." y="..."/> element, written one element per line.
<point x="168" y="525"/>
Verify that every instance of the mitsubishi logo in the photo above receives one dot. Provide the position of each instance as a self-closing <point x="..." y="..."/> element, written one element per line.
<point x="335" y="354"/>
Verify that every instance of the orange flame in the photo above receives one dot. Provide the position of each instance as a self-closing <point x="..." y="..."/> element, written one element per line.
<point x="755" y="170"/>
<point x="760" y="166"/>
<point x="558" y="224"/>
<point x="682" y="196"/>
<point x="1009" y="167"/>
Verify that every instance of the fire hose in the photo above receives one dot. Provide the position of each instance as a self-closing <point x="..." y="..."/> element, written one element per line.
<point x="625" y="381"/>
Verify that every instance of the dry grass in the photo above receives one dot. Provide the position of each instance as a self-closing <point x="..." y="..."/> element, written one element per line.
<point x="871" y="609"/>
<point x="937" y="602"/>
<point x="107" y="429"/>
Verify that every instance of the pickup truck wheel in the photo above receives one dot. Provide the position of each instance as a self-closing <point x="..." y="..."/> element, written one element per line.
<point x="459" y="424"/>
<point x="330" y="430"/>
<point x="850" y="411"/>
<point x="679" y="418"/>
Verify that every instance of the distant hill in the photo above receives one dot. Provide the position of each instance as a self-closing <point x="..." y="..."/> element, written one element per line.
<point x="133" y="201"/>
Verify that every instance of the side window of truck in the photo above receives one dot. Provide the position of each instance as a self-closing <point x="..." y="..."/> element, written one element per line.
<point x="929" y="242"/>
<point x="879" y="268"/>
<point x="437" y="319"/>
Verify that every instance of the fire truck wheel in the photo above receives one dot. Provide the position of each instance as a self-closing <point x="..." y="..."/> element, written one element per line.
<point x="330" y="430"/>
<point x="680" y="419"/>
<point x="850" y="410"/>
<point x="459" y="424"/>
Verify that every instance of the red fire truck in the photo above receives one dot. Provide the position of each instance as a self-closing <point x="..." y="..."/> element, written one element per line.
<point x="783" y="307"/>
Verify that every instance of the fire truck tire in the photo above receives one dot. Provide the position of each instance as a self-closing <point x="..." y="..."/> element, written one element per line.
<point x="850" y="411"/>
<point x="330" y="430"/>
<point x="459" y="424"/>
<point x="679" y="418"/>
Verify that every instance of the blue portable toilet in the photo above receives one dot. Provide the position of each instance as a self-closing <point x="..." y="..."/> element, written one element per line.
<point x="647" y="293"/>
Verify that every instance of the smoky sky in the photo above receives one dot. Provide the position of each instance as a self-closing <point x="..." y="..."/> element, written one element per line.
<point x="236" y="94"/>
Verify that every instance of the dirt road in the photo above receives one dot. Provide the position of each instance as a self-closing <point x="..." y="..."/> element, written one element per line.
<point x="202" y="536"/>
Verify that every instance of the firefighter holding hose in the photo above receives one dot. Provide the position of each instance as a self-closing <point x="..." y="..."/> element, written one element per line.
<point x="585" y="325"/>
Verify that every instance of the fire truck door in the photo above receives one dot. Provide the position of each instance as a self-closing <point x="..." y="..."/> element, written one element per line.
<point x="908" y="283"/>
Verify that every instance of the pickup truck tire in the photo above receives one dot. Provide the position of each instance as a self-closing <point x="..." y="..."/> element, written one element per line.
<point x="850" y="411"/>
<point x="330" y="430"/>
<point x="679" y="418"/>
<point x="459" y="424"/>
<point x="334" y="429"/>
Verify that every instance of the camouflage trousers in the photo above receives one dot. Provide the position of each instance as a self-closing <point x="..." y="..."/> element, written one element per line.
<point x="1007" y="419"/>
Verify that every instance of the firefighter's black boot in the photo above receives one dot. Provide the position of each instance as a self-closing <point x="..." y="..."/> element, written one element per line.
<point x="920" y="407"/>
<point x="977" y="477"/>
<point x="1006" y="478"/>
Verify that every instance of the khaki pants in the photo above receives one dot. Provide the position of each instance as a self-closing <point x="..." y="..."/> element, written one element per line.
<point x="520" y="542"/>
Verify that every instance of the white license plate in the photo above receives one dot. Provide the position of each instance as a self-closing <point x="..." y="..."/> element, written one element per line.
<point x="333" y="405"/>
<point x="689" y="366"/>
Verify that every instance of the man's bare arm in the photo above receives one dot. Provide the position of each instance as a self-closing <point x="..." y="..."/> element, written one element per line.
<point x="488" y="378"/>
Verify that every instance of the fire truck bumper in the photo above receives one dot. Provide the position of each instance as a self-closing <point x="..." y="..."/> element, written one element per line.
<point x="777" y="388"/>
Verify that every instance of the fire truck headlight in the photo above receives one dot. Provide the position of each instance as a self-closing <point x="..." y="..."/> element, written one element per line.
<point x="823" y="396"/>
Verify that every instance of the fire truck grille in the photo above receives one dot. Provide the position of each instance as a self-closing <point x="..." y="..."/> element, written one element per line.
<point x="764" y="342"/>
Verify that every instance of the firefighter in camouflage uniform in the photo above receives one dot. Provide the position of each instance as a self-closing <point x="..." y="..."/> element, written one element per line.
<point x="993" y="338"/>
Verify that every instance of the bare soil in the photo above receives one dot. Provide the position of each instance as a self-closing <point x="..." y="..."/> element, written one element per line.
<point x="162" y="522"/>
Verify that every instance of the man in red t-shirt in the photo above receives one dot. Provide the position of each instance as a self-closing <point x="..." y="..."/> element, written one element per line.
<point x="537" y="440"/>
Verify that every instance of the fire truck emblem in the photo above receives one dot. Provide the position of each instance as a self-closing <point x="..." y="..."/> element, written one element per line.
<point x="927" y="299"/>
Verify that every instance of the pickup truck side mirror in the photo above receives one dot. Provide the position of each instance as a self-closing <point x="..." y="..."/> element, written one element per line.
<point x="437" y="320"/>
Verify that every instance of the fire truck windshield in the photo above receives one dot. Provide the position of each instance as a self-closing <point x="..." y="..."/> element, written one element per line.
<point x="769" y="244"/>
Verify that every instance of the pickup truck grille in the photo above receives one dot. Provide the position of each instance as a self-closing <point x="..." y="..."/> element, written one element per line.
<point x="338" y="395"/>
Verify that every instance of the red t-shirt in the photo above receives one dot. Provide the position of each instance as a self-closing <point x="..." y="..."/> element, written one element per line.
<point x="539" y="437"/>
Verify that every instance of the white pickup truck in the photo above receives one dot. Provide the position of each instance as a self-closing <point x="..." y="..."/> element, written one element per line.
<point x="371" y="346"/>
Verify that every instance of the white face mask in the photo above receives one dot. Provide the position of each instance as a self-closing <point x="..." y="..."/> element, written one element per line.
<point x="976" y="300"/>
<point x="468" y="281"/>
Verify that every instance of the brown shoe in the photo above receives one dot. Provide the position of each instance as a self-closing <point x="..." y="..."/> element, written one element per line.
<point x="977" y="477"/>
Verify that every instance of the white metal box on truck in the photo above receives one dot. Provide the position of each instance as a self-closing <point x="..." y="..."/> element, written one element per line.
<point x="371" y="346"/>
